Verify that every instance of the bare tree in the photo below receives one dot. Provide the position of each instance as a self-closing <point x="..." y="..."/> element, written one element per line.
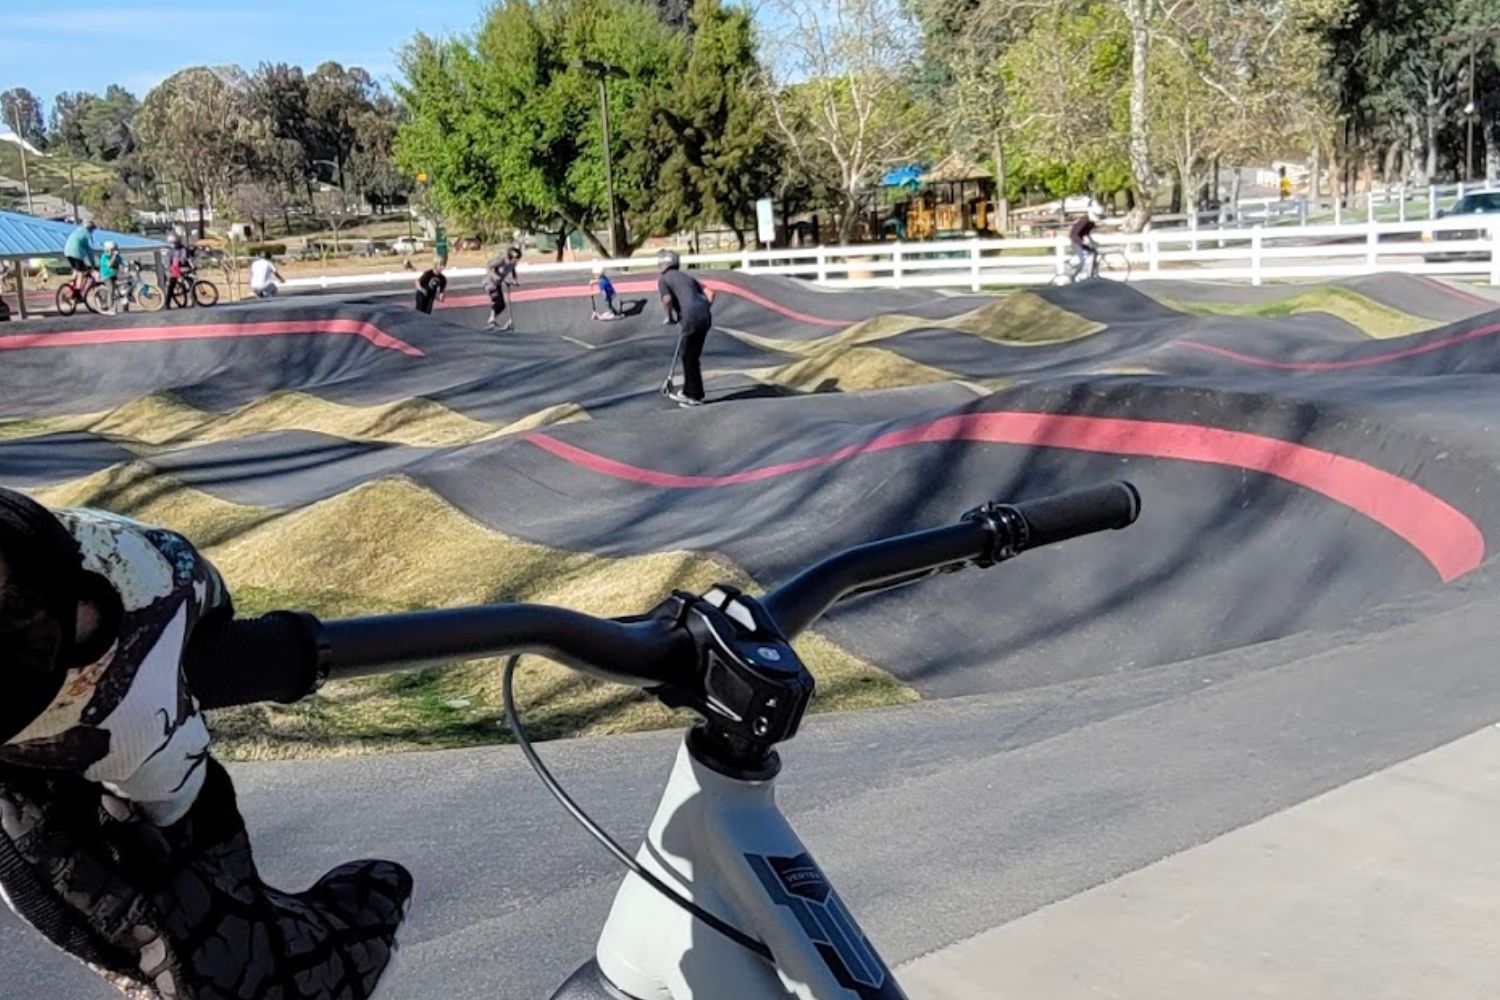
<point x="842" y="98"/>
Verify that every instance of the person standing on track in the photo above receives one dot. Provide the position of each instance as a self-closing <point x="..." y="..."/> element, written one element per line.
<point x="1085" y="250"/>
<point x="80" y="253"/>
<point x="179" y="269"/>
<point x="501" y="271"/>
<point x="688" y="305"/>
<point x="431" y="287"/>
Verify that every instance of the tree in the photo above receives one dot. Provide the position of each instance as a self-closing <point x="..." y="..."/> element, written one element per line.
<point x="707" y="138"/>
<point x="194" y="129"/>
<point x="843" y="99"/>
<point x="22" y="112"/>
<point x="507" y="128"/>
<point x="109" y="124"/>
<point x="371" y="169"/>
<point x="278" y="96"/>
<point x="257" y="201"/>
<point x="336" y="99"/>
<point x="109" y="202"/>
<point x="69" y="111"/>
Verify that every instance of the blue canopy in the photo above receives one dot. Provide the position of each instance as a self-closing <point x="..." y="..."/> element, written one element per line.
<point x="24" y="236"/>
<point x="909" y="176"/>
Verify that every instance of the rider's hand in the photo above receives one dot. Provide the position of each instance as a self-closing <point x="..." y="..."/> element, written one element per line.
<point x="119" y="835"/>
<point x="180" y="912"/>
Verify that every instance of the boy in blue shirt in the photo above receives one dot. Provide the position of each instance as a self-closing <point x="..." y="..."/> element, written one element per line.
<point x="111" y="267"/>
<point x="603" y="287"/>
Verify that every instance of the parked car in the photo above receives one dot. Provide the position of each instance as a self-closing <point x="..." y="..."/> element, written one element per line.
<point x="468" y="243"/>
<point x="1475" y="206"/>
<point x="407" y="245"/>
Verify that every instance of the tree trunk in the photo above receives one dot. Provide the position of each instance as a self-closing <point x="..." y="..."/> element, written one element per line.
<point x="849" y="219"/>
<point x="1139" y="12"/>
<point x="562" y="244"/>
<point x="202" y="222"/>
<point x="1417" y="153"/>
<point x="1002" y="201"/>
<point x="1175" y="207"/>
<point x="1234" y="192"/>
<point x="1430" y="168"/>
<point x="1315" y="187"/>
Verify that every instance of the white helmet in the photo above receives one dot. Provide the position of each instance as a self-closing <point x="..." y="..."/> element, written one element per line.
<point x="109" y="246"/>
<point x="598" y="270"/>
<point x="668" y="260"/>
<point x="172" y="239"/>
<point x="1096" y="212"/>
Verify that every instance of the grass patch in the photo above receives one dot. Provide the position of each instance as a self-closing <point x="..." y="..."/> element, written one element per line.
<point x="391" y="545"/>
<point x="1371" y="317"/>
<point x="163" y="420"/>
<point x="857" y="367"/>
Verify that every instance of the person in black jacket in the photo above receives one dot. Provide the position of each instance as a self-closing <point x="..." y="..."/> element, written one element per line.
<point x="688" y="305"/>
<point x="431" y="287"/>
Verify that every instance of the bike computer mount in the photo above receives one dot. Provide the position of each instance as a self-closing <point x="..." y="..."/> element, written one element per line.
<point x="749" y="686"/>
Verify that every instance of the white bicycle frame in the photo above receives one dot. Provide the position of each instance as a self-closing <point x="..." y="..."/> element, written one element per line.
<point x="723" y="843"/>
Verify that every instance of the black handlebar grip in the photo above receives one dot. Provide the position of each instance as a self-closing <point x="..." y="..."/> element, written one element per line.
<point x="1078" y="512"/>
<point x="280" y="657"/>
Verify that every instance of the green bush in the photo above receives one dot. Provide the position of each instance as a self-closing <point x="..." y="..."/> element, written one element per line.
<point x="256" y="249"/>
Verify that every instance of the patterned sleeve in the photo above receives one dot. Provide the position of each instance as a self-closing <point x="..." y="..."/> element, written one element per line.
<point x="128" y="720"/>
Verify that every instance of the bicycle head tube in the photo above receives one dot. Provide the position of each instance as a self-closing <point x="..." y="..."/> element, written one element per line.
<point x="751" y="688"/>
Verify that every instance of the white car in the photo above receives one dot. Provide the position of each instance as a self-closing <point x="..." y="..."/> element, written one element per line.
<point x="407" y="244"/>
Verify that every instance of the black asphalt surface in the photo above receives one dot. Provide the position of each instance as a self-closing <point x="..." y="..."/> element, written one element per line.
<point x="1060" y="790"/>
<point x="1305" y="599"/>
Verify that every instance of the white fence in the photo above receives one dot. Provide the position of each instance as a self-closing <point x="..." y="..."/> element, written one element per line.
<point x="1444" y="247"/>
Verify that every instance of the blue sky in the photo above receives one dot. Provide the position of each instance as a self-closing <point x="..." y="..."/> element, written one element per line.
<point x="88" y="47"/>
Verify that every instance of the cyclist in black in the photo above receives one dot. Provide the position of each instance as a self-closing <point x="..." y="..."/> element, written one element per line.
<point x="431" y="287"/>
<point x="120" y="837"/>
<point x="688" y="305"/>
<point x="1085" y="250"/>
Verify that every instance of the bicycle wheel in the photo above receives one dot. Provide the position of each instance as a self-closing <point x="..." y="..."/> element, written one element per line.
<point x="147" y="297"/>
<point x="98" y="299"/>
<point x="1114" y="266"/>
<point x="67" y="300"/>
<point x="205" y="293"/>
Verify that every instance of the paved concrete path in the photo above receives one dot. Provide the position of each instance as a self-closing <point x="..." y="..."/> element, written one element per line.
<point x="1388" y="887"/>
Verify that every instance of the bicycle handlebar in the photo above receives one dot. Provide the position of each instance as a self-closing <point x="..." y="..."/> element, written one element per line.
<point x="286" y="655"/>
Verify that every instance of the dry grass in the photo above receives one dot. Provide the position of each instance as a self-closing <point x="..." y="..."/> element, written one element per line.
<point x="1373" y="318"/>
<point x="163" y="420"/>
<point x="391" y="545"/>
<point x="856" y="367"/>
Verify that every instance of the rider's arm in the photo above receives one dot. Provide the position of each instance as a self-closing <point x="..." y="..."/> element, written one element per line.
<point x="120" y="837"/>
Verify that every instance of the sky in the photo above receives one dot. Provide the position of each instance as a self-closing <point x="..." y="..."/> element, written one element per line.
<point x="88" y="47"/>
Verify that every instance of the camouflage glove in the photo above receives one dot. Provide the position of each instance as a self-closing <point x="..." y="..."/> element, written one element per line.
<point x="180" y="912"/>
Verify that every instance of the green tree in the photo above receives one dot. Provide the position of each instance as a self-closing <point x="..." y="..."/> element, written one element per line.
<point x="708" y="138"/>
<point x="195" y="129"/>
<point x="507" y="127"/>
<point x="22" y="112"/>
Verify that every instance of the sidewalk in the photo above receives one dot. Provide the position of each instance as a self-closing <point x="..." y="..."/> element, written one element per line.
<point x="1388" y="887"/>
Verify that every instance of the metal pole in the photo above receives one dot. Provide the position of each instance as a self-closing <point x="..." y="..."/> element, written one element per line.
<point x="609" y="177"/>
<point x="72" y="187"/>
<point x="21" y="287"/>
<point x="1469" y="141"/>
<point x="21" y="148"/>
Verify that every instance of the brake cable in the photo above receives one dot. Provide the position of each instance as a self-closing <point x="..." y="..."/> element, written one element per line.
<point x="513" y="720"/>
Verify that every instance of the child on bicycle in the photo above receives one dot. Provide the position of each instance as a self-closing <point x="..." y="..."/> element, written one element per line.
<point x="80" y="253"/>
<point x="605" y="289"/>
<point x="179" y="268"/>
<point x="111" y="269"/>
<point x="120" y="837"/>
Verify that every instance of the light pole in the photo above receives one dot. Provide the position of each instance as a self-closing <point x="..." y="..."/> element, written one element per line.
<point x="604" y="70"/>
<point x="1473" y="37"/>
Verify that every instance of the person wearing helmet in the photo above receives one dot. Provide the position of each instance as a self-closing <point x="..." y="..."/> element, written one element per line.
<point x="121" y="841"/>
<point x="80" y="253"/>
<point x="111" y="268"/>
<point x="498" y="273"/>
<point x="179" y="268"/>
<point x="688" y="305"/>
<point x="602" y="287"/>
<point x="1085" y="250"/>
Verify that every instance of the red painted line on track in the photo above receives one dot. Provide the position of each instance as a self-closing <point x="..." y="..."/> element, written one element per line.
<point x="1328" y="366"/>
<point x="1444" y="535"/>
<point x="206" y="331"/>
<point x="582" y="291"/>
